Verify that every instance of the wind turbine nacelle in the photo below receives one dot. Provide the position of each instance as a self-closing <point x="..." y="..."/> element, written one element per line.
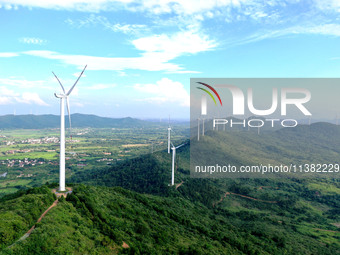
<point x="59" y="95"/>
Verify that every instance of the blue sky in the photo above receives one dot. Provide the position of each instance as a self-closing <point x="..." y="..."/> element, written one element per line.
<point x="142" y="54"/>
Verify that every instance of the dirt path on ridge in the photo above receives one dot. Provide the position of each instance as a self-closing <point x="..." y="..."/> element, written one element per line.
<point x="179" y="184"/>
<point x="33" y="227"/>
<point x="41" y="217"/>
<point x="252" y="198"/>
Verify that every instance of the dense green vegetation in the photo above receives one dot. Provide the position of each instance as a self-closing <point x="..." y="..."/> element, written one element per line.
<point x="97" y="220"/>
<point x="131" y="203"/>
<point x="318" y="143"/>
<point x="19" y="211"/>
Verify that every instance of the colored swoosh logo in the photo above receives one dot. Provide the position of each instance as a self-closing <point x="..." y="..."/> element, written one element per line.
<point x="209" y="93"/>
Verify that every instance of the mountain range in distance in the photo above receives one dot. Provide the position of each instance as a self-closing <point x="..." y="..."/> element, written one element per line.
<point x="30" y="121"/>
<point x="78" y="121"/>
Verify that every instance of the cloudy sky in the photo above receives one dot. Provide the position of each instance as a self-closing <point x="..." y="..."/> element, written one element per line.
<point x="142" y="54"/>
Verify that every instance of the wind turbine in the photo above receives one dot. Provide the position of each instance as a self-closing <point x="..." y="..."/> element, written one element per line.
<point x="198" y="129"/>
<point x="173" y="148"/>
<point x="169" y="134"/>
<point x="62" y="97"/>
<point x="202" y="126"/>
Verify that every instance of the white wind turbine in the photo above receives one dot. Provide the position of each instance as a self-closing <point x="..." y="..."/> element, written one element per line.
<point x="198" y="129"/>
<point x="169" y="135"/>
<point x="62" y="127"/>
<point x="202" y="126"/>
<point x="173" y="148"/>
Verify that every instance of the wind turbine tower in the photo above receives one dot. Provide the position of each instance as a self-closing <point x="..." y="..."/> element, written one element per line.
<point x="169" y="134"/>
<point x="62" y="97"/>
<point x="198" y="129"/>
<point x="173" y="148"/>
<point x="202" y="126"/>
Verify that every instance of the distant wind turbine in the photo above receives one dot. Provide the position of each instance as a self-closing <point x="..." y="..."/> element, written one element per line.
<point x="198" y="129"/>
<point x="173" y="148"/>
<point x="169" y="135"/>
<point x="202" y="126"/>
<point x="62" y="127"/>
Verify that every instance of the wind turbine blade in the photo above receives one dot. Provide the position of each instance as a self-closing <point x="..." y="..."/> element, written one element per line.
<point x="69" y="113"/>
<point x="69" y="92"/>
<point x="59" y="82"/>
<point x="180" y="145"/>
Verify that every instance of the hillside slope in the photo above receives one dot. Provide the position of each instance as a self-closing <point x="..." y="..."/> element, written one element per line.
<point x="98" y="220"/>
<point x="201" y="216"/>
<point x="318" y="143"/>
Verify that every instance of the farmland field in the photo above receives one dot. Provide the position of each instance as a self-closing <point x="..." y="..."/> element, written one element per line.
<point x="31" y="157"/>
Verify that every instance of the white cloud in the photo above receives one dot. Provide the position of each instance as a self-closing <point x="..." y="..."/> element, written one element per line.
<point x="100" y="86"/>
<point x="5" y="100"/>
<point x="7" y="92"/>
<point x="121" y="73"/>
<point x="23" y="83"/>
<point x="183" y="42"/>
<point x="258" y="10"/>
<point x="157" y="52"/>
<point x="8" y="7"/>
<point x="103" y="21"/>
<point x="154" y="6"/>
<point x="8" y="96"/>
<point x="329" y="5"/>
<point x="323" y="29"/>
<point x="127" y="28"/>
<point x="148" y="63"/>
<point x="187" y="6"/>
<point x="165" y="91"/>
<point x="31" y="98"/>
<point x="71" y="5"/>
<point x="77" y="104"/>
<point x="32" y="40"/>
<point x="8" y="54"/>
<point x="77" y="75"/>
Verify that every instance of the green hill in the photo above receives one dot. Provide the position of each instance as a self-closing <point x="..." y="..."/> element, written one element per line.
<point x="318" y="143"/>
<point x="131" y="203"/>
<point x="78" y="121"/>
<point x="97" y="220"/>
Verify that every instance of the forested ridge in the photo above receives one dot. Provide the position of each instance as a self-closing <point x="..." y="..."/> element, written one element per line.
<point x="129" y="208"/>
